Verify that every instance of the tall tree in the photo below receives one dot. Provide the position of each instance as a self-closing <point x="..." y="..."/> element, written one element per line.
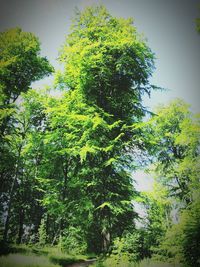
<point x="108" y="64"/>
<point x="21" y="64"/>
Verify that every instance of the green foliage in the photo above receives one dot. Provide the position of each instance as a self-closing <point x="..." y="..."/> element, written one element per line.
<point x="128" y="246"/>
<point x="128" y="250"/>
<point x="107" y="67"/>
<point x="108" y="62"/>
<point x="181" y="243"/>
<point x="73" y="241"/>
<point x="176" y="132"/>
<point x="42" y="233"/>
<point x="109" y="262"/>
<point x="20" y="63"/>
<point x="157" y="218"/>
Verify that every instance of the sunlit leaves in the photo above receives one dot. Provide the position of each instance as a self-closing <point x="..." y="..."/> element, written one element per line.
<point x="20" y="62"/>
<point x="105" y="59"/>
<point x="177" y="133"/>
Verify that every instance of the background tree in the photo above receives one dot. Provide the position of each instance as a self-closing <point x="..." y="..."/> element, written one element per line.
<point x="181" y="242"/>
<point x="175" y="131"/>
<point x="157" y="218"/>
<point x="21" y="64"/>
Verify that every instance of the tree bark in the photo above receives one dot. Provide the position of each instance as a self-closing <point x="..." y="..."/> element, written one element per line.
<point x="7" y="221"/>
<point x="21" y="221"/>
<point x="6" y="227"/>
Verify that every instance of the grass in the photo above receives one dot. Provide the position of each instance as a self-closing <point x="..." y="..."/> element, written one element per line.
<point x="18" y="260"/>
<point x="35" y="256"/>
<point x="47" y="250"/>
<point x="150" y="263"/>
<point x="145" y="263"/>
<point x="64" y="259"/>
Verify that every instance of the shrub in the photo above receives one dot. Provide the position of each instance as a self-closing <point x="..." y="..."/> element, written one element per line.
<point x="73" y="241"/>
<point x="182" y="240"/>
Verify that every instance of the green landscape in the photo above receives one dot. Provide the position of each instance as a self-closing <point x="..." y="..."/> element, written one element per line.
<point x="69" y="151"/>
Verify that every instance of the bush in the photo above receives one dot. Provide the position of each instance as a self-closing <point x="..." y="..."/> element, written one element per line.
<point x="73" y="241"/>
<point x="182" y="241"/>
<point x="42" y="233"/>
<point x="125" y="250"/>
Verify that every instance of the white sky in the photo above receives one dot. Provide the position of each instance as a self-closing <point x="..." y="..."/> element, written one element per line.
<point x="169" y="27"/>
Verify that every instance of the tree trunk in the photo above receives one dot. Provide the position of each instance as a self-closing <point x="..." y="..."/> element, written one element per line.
<point x="106" y="240"/>
<point x="21" y="221"/>
<point x="6" y="227"/>
<point x="7" y="221"/>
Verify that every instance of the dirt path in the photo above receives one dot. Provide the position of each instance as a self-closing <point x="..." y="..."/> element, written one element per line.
<point x="82" y="263"/>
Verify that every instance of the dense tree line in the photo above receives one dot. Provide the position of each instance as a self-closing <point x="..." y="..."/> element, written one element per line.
<point x="67" y="160"/>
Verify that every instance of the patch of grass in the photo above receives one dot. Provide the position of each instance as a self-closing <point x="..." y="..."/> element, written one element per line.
<point x="91" y="256"/>
<point x="57" y="256"/>
<point x="64" y="259"/>
<point x="151" y="263"/>
<point x="52" y="255"/>
<point x="26" y="249"/>
<point x="47" y="250"/>
<point x="18" y="260"/>
<point x="110" y="262"/>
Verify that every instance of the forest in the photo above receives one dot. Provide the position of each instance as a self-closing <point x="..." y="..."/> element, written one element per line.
<point x="69" y="152"/>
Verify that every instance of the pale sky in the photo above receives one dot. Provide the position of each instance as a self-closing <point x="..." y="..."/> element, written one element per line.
<point x="169" y="27"/>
